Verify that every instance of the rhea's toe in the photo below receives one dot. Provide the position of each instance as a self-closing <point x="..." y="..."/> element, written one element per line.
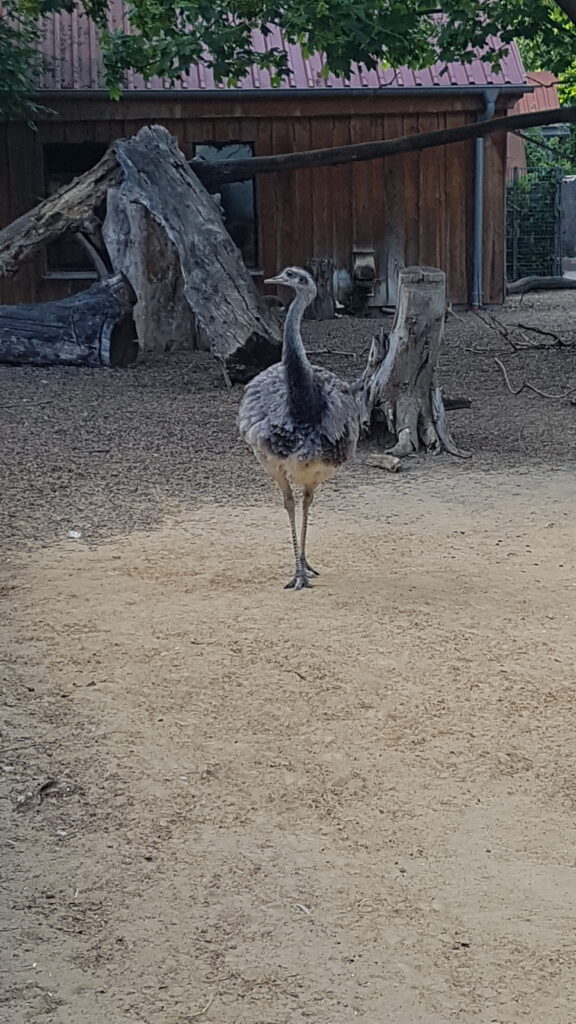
<point x="299" y="582"/>
<point x="310" y="571"/>
<point x="302" y="582"/>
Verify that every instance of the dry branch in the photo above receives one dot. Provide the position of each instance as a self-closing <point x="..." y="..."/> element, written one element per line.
<point x="458" y="402"/>
<point x="557" y="340"/>
<point x="93" y="254"/>
<point x="505" y="332"/>
<point x="384" y="461"/>
<point x="525" y="386"/>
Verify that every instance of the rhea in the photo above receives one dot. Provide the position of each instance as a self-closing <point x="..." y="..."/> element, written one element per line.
<point x="300" y="420"/>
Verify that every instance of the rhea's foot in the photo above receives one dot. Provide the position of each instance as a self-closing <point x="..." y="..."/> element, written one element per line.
<point x="299" y="582"/>
<point x="310" y="571"/>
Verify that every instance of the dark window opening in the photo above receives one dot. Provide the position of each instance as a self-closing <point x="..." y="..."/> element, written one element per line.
<point x="238" y="199"/>
<point x="63" y="162"/>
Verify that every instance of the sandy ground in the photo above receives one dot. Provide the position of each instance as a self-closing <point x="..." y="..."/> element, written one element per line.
<point x="226" y="802"/>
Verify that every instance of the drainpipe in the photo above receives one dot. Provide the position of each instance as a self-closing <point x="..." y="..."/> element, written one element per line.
<point x="490" y="97"/>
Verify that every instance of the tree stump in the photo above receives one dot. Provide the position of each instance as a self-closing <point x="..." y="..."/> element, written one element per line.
<point x="399" y="385"/>
<point x="323" y="306"/>
<point x="93" y="328"/>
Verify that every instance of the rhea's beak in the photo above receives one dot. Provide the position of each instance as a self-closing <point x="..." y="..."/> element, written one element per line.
<point x="275" y="280"/>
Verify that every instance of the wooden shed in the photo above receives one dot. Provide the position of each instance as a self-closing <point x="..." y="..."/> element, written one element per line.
<point x="414" y="208"/>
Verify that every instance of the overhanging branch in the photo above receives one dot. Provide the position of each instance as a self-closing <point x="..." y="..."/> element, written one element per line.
<point x="224" y="172"/>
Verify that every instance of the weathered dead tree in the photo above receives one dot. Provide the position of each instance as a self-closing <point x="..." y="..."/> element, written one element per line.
<point x="399" y="387"/>
<point x="93" y="328"/>
<point x="165" y="232"/>
<point x="323" y="306"/>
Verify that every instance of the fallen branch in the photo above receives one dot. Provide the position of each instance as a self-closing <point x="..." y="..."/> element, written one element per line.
<point x="529" y="387"/>
<point x="384" y="461"/>
<point x="93" y="254"/>
<point x="547" y="334"/>
<point x="542" y="284"/>
<point x="458" y="402"/>
<point x="331" y="352"/>
<point x="491" y="321"/>
<point x="220" y="360"/>
<point x="200" y="1013"/>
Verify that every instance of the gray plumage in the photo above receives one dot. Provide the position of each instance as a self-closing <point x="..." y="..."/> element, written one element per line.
<point x="300" y="420"/>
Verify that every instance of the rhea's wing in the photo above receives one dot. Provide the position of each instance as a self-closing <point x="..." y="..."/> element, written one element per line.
<point x="340" y="418"/>
<point x="263" y="405"/>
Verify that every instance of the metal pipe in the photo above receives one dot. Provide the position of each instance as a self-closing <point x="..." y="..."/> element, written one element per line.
<point x="490" y="97"/>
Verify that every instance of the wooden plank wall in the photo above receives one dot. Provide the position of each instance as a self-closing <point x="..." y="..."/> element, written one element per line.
<point x="415" y="208"/>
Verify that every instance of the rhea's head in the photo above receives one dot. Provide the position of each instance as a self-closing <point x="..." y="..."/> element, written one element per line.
<point x="297" y="279"/>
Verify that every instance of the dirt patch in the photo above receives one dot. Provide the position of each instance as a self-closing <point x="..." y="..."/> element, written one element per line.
<point x="224" y="801"/>
<point x="351" y="803"/>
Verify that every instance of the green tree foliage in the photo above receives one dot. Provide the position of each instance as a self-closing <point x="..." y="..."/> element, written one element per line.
<point x="19" y="60"/>
<point x="167" y="36"/>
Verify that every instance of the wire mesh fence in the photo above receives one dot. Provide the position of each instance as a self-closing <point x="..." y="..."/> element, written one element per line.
<point x="534" y="223"/>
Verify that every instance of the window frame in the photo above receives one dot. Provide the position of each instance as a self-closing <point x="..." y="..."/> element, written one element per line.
<point x="54" y="273"/>
<point x="254" y="269"/>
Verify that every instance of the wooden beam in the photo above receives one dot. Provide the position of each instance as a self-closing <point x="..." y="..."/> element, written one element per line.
<point x="224" y="172"/>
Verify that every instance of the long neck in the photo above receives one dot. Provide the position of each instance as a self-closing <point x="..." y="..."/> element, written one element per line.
<point x="297" y="368"/>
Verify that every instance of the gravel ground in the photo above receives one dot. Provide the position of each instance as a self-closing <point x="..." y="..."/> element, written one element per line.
<point x="106" y="452"/>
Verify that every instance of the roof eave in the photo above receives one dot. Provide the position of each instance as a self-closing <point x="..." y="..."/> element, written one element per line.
<point x="436" y="90"/>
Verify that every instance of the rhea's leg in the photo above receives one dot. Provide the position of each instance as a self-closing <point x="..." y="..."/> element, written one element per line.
<point x="307" y="500"/>
<point x="300" y="579"/>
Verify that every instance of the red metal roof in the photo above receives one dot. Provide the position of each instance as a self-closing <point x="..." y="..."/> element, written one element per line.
<point x="71" y="46"/>
<point x="544" y="97"/>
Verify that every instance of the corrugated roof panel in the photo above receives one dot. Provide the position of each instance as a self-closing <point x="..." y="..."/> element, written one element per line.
<point x="71" y="46"/>
<point x="545" y="95"/>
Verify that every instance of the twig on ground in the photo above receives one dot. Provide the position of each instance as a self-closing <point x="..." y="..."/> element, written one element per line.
<point x="200" y="1013"/>
<point x="225" y="374"/>
<point x="547" y="334"/>
<point x="504" y="330"/>
<point x="384" y="461"/>
<point x="331" y="352"/>
<point x="457" y="402"/>
<point x="455" y="315"/>
<point x="529" y="387"/>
